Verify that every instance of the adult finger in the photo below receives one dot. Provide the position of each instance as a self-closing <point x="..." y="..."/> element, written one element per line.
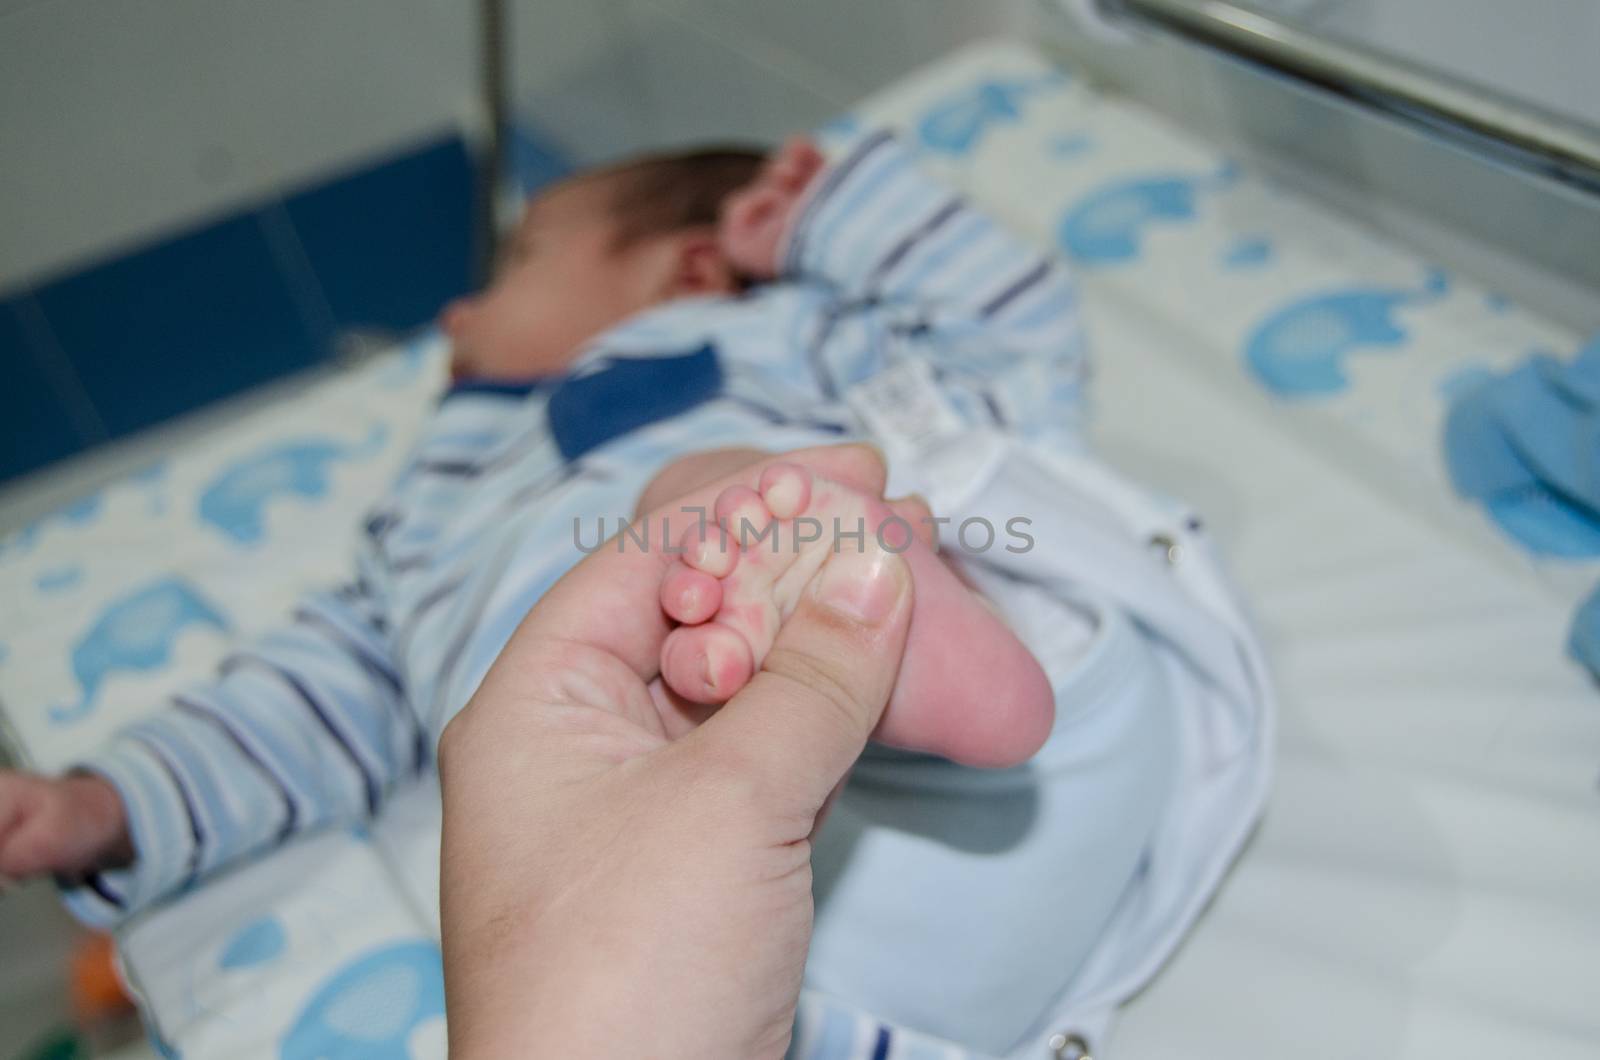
<point x="801" y="722"/>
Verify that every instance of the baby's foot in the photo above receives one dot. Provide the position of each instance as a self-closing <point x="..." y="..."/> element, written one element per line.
<point x="968" y="689"/>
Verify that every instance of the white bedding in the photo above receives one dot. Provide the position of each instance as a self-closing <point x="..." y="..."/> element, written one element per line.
<point x="1425" y="881"/>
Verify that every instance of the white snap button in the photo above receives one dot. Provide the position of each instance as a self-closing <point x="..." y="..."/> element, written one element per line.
<point x="1066" y="1046"/>
<point x="1168" y="545"/>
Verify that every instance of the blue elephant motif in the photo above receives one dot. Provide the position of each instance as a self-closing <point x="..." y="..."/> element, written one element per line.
<point x="1107" y="226"/>
<point x="958" y="124"/>
<point x="136" y="632"/>
<point x="259" y="942"/>
<point x="1248" y="252"/>
<point x="370" y="1009"/>
<point x="1071" y="145"/>
<point x="59" y="579"/>
<point x="236" y="500"/>
<point x="80" y="512"/>
<point x="1300" y="349"/>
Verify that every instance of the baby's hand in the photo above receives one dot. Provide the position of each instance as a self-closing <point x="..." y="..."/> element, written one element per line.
<point x="69" y="826"/>
<point x="755" y="219"/>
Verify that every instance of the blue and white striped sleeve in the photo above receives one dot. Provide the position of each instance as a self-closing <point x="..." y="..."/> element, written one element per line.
<point x="916" y="268"/>
<point x="306" y="727"/>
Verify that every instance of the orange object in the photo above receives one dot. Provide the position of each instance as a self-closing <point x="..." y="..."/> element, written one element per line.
<point x="97" y="993"/>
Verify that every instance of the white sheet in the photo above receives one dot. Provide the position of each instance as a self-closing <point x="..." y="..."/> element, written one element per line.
<point x="1425" y="881"/>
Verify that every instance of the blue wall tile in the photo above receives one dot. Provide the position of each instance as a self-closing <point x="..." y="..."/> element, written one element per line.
<point x="211" y="312"/>
<point x="34" y="421"/>
<point x="392" y="243"/>
<point x="168" y="329"/>
<point x="533" y="160"/>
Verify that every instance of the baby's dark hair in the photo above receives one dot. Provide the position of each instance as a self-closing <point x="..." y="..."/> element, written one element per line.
<point x="658" y="194"/>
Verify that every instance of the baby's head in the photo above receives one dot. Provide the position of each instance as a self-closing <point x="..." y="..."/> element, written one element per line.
<point x="593" y="250"/>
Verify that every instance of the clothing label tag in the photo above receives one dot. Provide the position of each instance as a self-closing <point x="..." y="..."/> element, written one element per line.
<point x="904" y="409"/>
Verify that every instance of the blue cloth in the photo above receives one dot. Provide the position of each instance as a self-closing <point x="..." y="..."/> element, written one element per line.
<point x="1526" y="444"/>
<point x="1034" y="858"/>
<point x="590" y="410"/>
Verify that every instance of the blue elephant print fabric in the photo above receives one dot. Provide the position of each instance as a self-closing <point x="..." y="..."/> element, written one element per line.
<point x="136" y="631"/>
<point x="1107" y="226"/>
<point x="1300" y="349"/>
<point x="373" y="1007"/>
<point x="236" y="501"/>
<point x="125" y="594"/>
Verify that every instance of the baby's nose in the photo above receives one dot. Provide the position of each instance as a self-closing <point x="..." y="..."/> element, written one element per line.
<point x="454" y="316"/>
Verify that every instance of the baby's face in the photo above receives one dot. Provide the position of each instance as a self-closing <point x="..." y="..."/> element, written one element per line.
<point x="560" y="281"/>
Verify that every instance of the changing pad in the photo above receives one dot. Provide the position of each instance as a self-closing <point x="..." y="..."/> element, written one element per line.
<point x="1424" y="881"/>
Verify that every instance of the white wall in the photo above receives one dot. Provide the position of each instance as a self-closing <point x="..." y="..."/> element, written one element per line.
<point x="608" y="76"/>
<point x="122" y="119"/>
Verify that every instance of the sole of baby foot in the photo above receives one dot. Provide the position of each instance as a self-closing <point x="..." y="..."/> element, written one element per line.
<point x="967" y="690"/>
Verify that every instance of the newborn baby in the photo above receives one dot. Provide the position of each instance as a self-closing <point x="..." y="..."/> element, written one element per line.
<point x="654" y="326"/>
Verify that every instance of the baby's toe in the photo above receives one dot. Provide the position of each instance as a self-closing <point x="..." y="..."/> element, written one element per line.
<point x="786" y="488"/>
<point x="917" y="516"/>
<point x="706" y="664"/>
<point x="690" y="595"/>
<point x="743" y="514"/>
<point x="709" y="549"/>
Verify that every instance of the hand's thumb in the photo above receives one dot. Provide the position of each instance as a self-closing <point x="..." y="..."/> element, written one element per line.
<point x="804" y="719"/>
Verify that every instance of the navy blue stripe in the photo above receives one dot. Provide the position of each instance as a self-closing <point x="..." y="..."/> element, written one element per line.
<point x="448" y="468"/>
<point x="406" y="564"/>
<point x="426" y="604"/>
<point x="454" y="652"/>
<point x="97" y="883"/>
<point x="419" y="749"/>
<point x="830" y="184"/>
<point x="358" y="596"/>
<point x="369" y="782"/>
<point x="1032" y="278"/>
<point x="516" y="448"/>
<point x="880" y="1048"/>
<point x="949" y="209"/>
<point x="379" y="667"/>
<point x="560" y="477"/>
<point x="994" y="407"/>
<point x="291" y="813"/>
<point x="556" y="476"/>
<point x="779" y="418"/>
<point x="498" y="387"/>
<point x="814" y="352"/>
<point x="379" y="526"/>
<point x="195" y="831"/>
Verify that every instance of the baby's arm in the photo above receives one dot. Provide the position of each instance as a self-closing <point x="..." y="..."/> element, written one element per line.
<point x="916" y="272"/>
<point x="305" y="727"/>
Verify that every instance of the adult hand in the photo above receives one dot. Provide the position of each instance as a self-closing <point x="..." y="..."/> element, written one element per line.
<point x="627" y="875"/>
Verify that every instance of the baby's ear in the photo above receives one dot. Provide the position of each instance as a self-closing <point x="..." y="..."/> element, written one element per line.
<point x="702" y="267"/>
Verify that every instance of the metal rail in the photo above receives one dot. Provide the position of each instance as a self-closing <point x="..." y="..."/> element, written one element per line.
<point x="1560" y="146"/>
<point x="494" y="93"/>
